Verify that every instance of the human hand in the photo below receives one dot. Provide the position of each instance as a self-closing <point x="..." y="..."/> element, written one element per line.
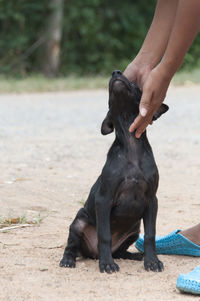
<point x="137" y="71"/>
<point x="154" y="92"/>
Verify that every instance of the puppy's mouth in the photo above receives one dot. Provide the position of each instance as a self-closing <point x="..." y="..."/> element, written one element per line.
<point x="118" y="84"/>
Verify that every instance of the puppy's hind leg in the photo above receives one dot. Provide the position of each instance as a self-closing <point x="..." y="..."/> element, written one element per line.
<point x="128" y="255"/>
<point x="122" y="252"/>
<point x="72" y="249"/>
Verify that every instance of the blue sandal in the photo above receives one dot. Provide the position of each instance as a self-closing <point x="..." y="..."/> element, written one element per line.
<point x="173" y="243"/>
<point x="190" y="282"/>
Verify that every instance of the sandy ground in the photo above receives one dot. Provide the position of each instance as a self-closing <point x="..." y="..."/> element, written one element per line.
<point x="51" y="153"/>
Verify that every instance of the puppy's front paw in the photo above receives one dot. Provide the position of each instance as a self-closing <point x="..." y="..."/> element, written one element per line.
<point x="68" y="262"/>
<point x="154" y="265"/>
<point x="108" y="267"/>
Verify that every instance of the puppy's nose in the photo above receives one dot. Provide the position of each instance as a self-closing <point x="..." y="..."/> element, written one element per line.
<point x="116" y="73"/>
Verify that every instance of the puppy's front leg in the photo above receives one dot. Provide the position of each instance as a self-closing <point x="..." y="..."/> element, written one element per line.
<point x="103" y="208"/>
<point x="151" y="261"/>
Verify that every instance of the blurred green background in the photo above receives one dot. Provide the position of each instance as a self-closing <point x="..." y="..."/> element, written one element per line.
<point x="57" y="38"/>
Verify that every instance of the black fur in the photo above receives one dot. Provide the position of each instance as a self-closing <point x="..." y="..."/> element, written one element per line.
<point x="124" y="193"/>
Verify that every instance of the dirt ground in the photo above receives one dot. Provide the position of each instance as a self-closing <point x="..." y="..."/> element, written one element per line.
<point x="51" y="153"/>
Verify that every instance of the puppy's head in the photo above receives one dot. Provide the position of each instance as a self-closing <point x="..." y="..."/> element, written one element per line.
<point x="124" y="100"/>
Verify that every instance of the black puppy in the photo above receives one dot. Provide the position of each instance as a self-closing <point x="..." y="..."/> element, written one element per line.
<point x="124" y="193"/>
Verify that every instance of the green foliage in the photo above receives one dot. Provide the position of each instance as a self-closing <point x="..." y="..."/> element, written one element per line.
<point x="98" y="35"/>
<point x="102" y="35"/>
<point x="21" y="25"/>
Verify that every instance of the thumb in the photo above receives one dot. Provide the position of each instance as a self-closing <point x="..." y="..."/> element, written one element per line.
<point x="144" y="104"/>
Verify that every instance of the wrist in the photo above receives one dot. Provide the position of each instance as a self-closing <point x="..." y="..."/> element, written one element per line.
<point x="167" y="69"/>
<point x="170" y="65"/>
<point x="146" y="59"/>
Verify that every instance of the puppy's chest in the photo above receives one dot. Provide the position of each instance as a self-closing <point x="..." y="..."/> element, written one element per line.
<point x="135" y="185"/>
<point x="132" y="186"/>
<point x="133" y="176"/>
<point x="129" y="200"/>
<point x="131" y="172"/>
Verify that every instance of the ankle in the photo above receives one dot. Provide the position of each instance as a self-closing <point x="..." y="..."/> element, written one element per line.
<point x="193" y="234"/>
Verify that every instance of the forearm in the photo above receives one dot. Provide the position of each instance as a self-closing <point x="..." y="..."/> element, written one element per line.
<point x="185" y="29"/>
<point x="158" y="35"/>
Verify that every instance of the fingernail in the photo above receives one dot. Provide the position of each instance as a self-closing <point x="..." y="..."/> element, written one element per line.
<point x="131" y="128"/>
<point x="143" y="112"/>
<point x="137" y="135"/>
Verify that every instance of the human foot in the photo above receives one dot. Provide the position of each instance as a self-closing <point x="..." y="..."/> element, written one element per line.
<point x="193" y="234"/>
<point x="173" y="243"/>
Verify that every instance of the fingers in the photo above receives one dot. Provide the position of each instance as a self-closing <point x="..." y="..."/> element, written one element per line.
<point x="147" y="108"/>
<point x="142" y="128"/>
<point x="140" y="124"/>
<point x="145" y="116"/>
<point x="154" y="91"/>
<point x="145" y="104"/>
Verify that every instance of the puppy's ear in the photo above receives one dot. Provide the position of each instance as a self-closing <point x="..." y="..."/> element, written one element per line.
<point x="163" y="109"/>
<point x="107" y="125"/>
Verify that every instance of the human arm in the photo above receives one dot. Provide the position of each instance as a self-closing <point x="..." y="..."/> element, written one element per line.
<point x="154" y="44"/>
<point x="185" y="28"/>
